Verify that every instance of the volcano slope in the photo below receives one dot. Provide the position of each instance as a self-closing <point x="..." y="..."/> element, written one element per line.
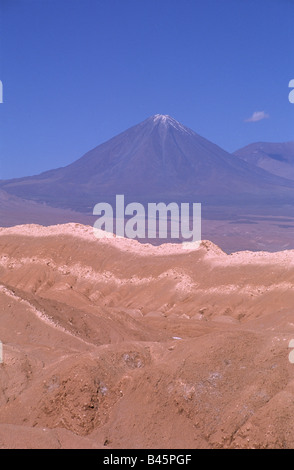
<point x="108" y="343"/>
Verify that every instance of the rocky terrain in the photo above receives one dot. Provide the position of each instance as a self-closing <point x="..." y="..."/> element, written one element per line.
<point x="108" y="343"/>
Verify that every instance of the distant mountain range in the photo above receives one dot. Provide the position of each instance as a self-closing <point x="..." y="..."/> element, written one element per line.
<point x="247" y="197"/>
<point x="276" y="158"/>
<point x="156" y="160"/>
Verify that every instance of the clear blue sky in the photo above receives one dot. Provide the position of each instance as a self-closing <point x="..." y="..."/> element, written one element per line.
<point x="77" y="72"/>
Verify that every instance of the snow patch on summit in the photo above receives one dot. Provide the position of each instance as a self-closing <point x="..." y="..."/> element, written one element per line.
<point x="167" y="120"/>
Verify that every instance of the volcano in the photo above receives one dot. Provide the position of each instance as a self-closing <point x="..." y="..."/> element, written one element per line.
<point x="157" y="160"/>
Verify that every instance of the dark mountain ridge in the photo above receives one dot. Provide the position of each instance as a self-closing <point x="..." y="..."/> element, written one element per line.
<point x="276" y="158"/>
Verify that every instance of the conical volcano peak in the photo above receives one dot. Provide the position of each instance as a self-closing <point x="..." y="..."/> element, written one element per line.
<point x="166" y="120"/>
<point x="158" y="159"/>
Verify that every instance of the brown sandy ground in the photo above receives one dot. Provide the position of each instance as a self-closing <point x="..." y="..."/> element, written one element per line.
<point x="111" y="344"/>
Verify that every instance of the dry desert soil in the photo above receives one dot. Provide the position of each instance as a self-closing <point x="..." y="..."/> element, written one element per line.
<point x="108" y="343"/>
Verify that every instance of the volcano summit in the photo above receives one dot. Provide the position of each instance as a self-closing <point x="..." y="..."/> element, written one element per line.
<point x="158" y="159"/>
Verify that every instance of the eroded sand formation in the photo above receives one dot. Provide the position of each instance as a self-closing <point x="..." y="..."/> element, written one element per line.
<point x="112" y="344"/>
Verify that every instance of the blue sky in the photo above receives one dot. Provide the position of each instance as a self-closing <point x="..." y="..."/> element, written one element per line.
<point x="77" y="72"/>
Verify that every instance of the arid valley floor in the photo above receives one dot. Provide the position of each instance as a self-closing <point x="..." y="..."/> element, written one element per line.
<point x="108" y="343"/>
